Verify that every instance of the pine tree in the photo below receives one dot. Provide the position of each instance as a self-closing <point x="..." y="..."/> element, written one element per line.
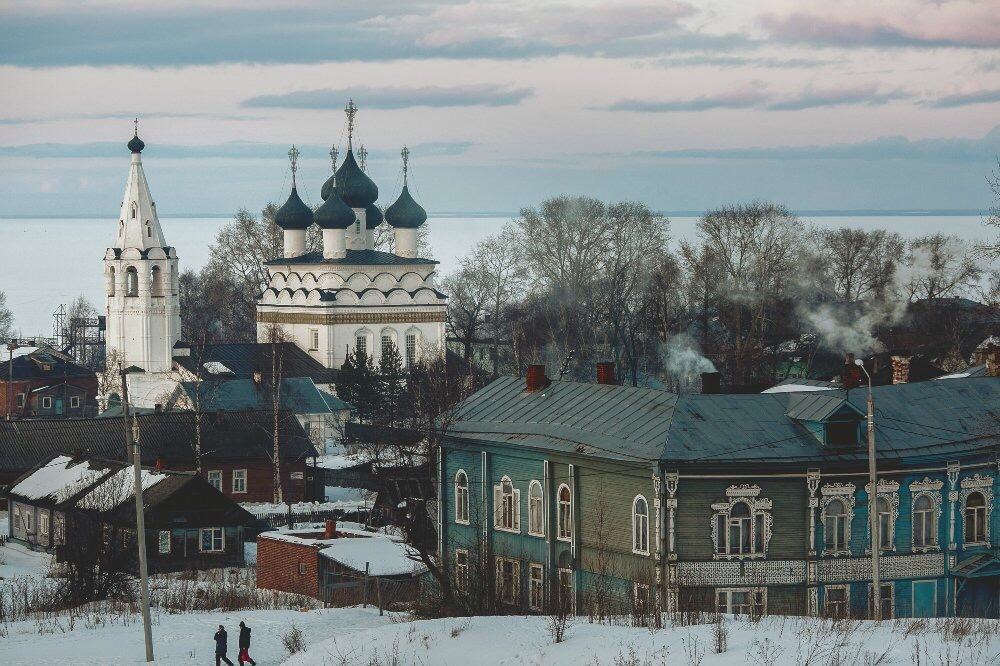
<point x="346" y="383"/>
<point x="392" y="384"/>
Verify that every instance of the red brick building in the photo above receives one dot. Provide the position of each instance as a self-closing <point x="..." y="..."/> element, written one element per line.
<point x="41" y="382"/>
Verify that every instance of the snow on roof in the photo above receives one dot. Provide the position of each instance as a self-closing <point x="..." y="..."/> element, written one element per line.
<point x="384" y="556"/>
<point x="217" y="368"/>
<point x="118" y="489"/>
<point x="24" y="351"/>
<point x="796" y="388"/>
<point x="59" y="480"/>
<point x="340" y="461"/>
<point x="955" y="375"/>
<point x="351" y="499"/>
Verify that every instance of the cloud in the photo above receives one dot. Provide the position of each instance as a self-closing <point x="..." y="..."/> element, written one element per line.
<point x="738" y="61"/>
<point x="746" y="96"/>
<point x="232" y="150"/>
<point x="395" y="97"/>
<point x="959" y="23"/>
<point x="883" y="148"/>
<point x="964" y="99"/>
<point x="118" y="115"/>
<point x="755" y="95"/>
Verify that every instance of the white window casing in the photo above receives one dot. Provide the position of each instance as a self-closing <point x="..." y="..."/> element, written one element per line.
<point x="462" y="497"/>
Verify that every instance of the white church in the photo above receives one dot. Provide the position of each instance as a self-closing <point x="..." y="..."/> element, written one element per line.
<point x="328" y="303"/>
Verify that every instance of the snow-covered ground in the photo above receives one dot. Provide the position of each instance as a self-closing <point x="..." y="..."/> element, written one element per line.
<point x="17" y="560"/>
<point x="184" y="638"/>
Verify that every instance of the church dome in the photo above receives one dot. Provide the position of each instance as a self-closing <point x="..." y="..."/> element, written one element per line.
<point x="353" y="185"/>
<point x="373" y="216"/>
<point x="136" y="145"/>
<point x="405" y="213"/>
<point x="334" y="213"/>
<point x="294" y="214"/>
<point x="324" y="192"/>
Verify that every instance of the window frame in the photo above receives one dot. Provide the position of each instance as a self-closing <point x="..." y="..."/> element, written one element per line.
<point x="46" y="402"/>
<point x="978" y="522"/>
<point x="536" y="523"/>
<point x="74" y="402"/>
<point x="640" y="526"/>
<point x="727" y="593"/>
<point x="844" y="611"/>
<point x="208" y="477"/>
<point x="160" y="541"/>
<point x="507" y="514"/>
<point x="536" y="586"/>
<point x="509" y="594"/>
<point x="20" y="400"/>
<point x="841" y="544"/>
<point x="566" y="589"/>
<point x="462" y="569"/>
<point x="891" y="600"/>
<point x="313" y="339"/>
<point x="461" y="503"/>
<point x="564" y="514"/>
<point x="239" y="475"/>
<point x="928" y="515"/>
<point x="410" y="355"/>
<point x="221" y="539"/>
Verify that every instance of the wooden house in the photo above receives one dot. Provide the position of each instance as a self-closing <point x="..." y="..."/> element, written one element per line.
<point x="749" y="504"/>
<point x="42" y="382"/>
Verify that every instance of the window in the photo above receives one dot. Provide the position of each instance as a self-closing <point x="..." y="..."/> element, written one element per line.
<point x="565" y="514"/>
<point x="59" y="531"/>
<point x="508" y="580"/>
<point x="131" y="281"/>
<point x="149" y="231"/>
<point x="361" y="343"/>
<point x="388" y="342"/>
<point x="924" y="519"/>
<point x="302" y="568"/>
<point x="975" y="518"/>
<point x="837" y="601"/>
<point x="46" y="402"/>
<point x="156" y="281"/>
<point x="752" y="602"/>
<point x="886" y="601"/>
<point x="536" y="587"/>
<point x="164" y="542"/>
<point x="215" y="479"/>
<point x="313" y="339"/>
<point x="885" y="523"/>
<point x="641" y="599"/>
<point x="842" y="433"/>
<point x="835" y="527"/>
<point x="74" y="402"/>
<point x="567" y="598"/>
<point x="411" y="349"/>
<point x="462" y="497"/>
<point x="507" y="506"/>
<point x="43" y="526"/>
<point x="536" y="525"/>
<point x="740" y="530"/>
<point x="462" y="569"/>
<point x="111" y="281"/>
<point x="640" y="525"/>
<point x="213" y="540"/>
<point x="133" y="208"/>
<point x="20" y="400"/>
<point x="239" y="480"/>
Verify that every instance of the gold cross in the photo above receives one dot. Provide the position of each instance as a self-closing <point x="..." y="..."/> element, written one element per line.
<point x="406" y="163"/>
<point x="293" y="157"/>
<point x="333" y="158"/>
<point x="363" y="154"/>
<point x="351" y="110"/>
<point x="137" y="127"/>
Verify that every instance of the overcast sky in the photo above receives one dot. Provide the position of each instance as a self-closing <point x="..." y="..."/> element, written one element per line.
<point x="685" y="105"/>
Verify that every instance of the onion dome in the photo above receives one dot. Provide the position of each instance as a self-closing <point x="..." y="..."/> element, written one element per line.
<point x="405" y="213"/>
<point x="324" y="192"/>
<point x="373" y="216"/>
<point x="334" y="213"/>
<point x="136" y="145"/>
<point x="294" y="214"/>
<point x="353" y="185"/>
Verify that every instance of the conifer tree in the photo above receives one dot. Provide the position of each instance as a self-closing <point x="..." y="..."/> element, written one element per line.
<point x="392" y="384"/>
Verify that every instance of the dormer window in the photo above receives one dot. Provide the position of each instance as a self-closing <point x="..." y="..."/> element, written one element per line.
<point x="842" y="433"/>
<point x="828" y="416"/>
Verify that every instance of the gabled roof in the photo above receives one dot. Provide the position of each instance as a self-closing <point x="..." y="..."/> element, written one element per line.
<point x="242" y="359"/>
<point x="921" y="420"/>
<point x="31" y="366"/>
<point x="298" y="395"/>
<point x="813" y="407"/>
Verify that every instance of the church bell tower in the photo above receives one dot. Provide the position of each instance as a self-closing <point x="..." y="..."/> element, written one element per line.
<point x="141" y="280"/>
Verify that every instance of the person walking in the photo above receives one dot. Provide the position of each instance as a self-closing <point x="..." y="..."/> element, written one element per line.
<point x="244" y="655"/>
<point x="220" y="647"/>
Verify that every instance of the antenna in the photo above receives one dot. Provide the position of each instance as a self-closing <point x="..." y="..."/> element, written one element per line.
<point x="363" y="154"/>
<point x="351" y="110"/>
<point x="406" y="163"/>
<point x="293" y="157"/>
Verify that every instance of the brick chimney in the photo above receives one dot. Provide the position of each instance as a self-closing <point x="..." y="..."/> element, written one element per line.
<point x="900" y="369"/>
<point x="992" y="360"/>
<point x="331" y="529"/>
<point x="536" y="380"/>
<point x="606" y="373"/>
<point x="711" y="383"/>
<point x="161" y="463"/>
<point x="850" y="376"/>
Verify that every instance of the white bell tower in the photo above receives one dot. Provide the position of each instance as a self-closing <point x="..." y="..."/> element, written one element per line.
<point x="141" y="280"/>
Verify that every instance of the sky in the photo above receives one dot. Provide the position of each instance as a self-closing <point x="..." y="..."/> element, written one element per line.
<point x="821" y="105"/>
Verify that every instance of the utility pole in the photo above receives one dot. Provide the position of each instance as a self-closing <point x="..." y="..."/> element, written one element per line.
<point x="876" y="595"/>
<point x="132" y="444"/>
<point x="11" y="346"/>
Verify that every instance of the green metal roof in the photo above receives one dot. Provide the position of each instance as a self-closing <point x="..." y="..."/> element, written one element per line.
<point x="818" y="406"/>
<point x="353" y="258"/>
<point x="298" y="395"/>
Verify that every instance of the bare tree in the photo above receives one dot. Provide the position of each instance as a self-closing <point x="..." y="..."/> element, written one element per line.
<point x="939" y="266"/>
<point x="502" y="270"/>
<point x="857" y="263"/>
<point x="6" y="319"/>
<point x="468" y="297"/>
<point x="992" y="250"/>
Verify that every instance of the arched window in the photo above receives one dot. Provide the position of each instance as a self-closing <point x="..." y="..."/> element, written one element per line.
<point x="640" y="525"/>
<point x="924" y="519"/>
<point x="885" y="525"/>
<point x="462" y="497"/>
<point x="388" y="341"/>
<point x="835" y="527"/>
<point x="361" y="343"/>
<point x="739" y="529"/>
<point x="156" y="281"/>
<point x="741" y="526"/>
<point x="111" y="281"/>
<point x="134" y="210"/>
<point x="975" y="518"/>
<point x="131" y="281"/>
<point x="149" y="231"/>
<point x="565" y="513"/>
<point x="536" y="515"/>
<point x="410" y="357"/>
<point x="507" y="506"/>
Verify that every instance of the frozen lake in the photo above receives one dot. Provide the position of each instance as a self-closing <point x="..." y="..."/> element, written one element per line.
<point x="46" y="262"/>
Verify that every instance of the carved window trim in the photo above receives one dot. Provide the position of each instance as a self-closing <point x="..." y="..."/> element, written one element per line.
<point x="889" y="491"/>
<point x="931" y="489"/>
<point x="977" y="483"/>
<point x="749" y="495"/>
<point x="845" y="493"/>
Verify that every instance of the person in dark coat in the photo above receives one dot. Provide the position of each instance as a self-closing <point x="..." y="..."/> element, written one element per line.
<point x="244" y="654"/>
<point x="220" y="647"/>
